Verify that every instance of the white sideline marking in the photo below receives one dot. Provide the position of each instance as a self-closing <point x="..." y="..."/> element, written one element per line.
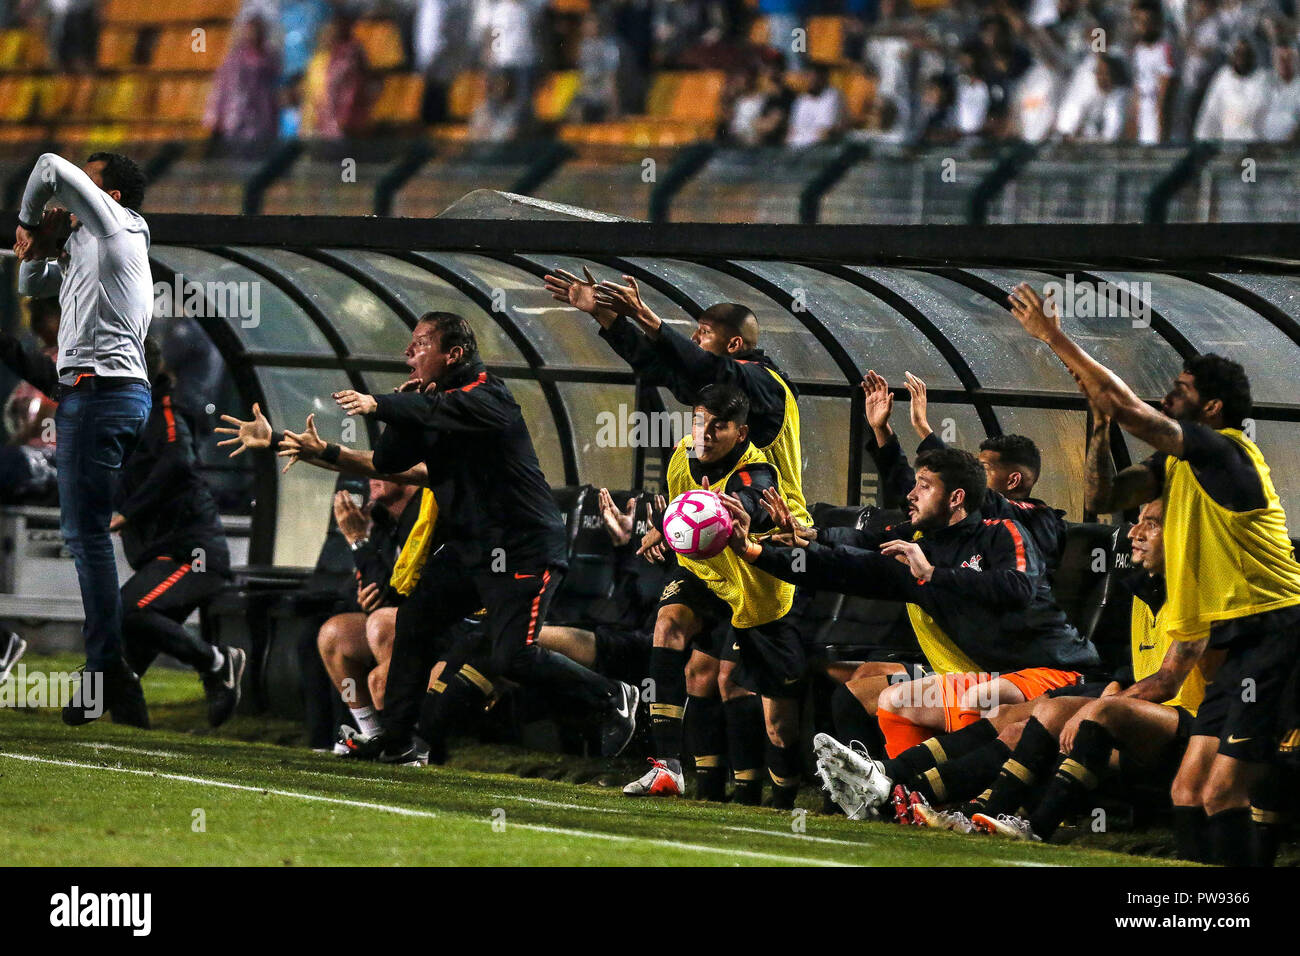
<point x="673" y="844"/>
<point x="801" y="836"/>
<point x="130" y="750"/>
<point x="562" y="806"/>
<point x="405" y="811"/>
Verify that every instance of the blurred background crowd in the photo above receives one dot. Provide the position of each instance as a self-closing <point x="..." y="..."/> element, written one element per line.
<point x="743" y="72"/>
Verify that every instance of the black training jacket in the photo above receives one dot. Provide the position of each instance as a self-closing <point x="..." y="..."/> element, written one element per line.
<point x="1045" y="524"/>
<point x="678" y="364"/>
<point x="492" y="495"/>
<point x="989" y="591"/>
<point x="168" y="507"/>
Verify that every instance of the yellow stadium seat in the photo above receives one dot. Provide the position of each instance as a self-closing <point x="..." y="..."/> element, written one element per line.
<point x="663" y="92"/>
<point x="859" y="91"/>
<point x="826" y="39"/>
<point x="12" y="46"/>
<point x="382" y="43"/>
<point x="116" y="47"/>
<point x="552" y="99"/>
<point x="399" y="100"/>
<point x="698" y="96"/>
<point x="466" y="93"/>
<point x="184" y="48"/>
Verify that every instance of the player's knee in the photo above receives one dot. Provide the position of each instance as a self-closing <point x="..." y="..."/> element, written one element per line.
<point x="328" y="639"/>
<point x="670" y="633"/>
<point x="1187" y="788"/>
<point x="701" y="672"/>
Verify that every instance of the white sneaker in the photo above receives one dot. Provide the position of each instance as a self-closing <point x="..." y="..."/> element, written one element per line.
<point x="345" y="733"/>
<point x="854" y="767"/>
<point x="847" y="797"/>
<point x="663" y="779"/>
<point x="1006" y="825"/>
<point x="11" y="648"/>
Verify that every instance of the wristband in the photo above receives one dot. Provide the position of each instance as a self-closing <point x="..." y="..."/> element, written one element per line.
<point x="358" y="545"/>
<point x="752" y="551"/>
<point x="331" y="454"/>
<point x="28" y="226"/>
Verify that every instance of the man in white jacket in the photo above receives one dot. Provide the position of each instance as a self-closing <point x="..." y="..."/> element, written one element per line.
<point x="1234" y="104"/>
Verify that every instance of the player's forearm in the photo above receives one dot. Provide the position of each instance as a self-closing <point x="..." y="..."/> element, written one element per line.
<point x="53" y="176"/>
<point x="1099" y="471"/>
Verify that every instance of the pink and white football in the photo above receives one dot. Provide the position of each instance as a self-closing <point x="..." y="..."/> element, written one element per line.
<point x="697" y="525"/>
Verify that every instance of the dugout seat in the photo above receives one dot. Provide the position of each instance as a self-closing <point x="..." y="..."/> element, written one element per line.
<point x="1088" y="587"/>
<point x="591" y="562"/>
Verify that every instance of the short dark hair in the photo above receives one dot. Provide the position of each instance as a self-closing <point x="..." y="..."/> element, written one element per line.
<point x="957" y="469"/>
<point x="1152" y="7"/>
<point x="1224" y="379"/>
<point x="1016" y="450"/>
<point x="735" y="318"/>
<point x="726" y="402"/>
<point x="121" y="173"/>
<point x="453" y="330"/>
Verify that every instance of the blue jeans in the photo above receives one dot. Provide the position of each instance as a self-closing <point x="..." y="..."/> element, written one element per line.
<point x="95" y="431"/>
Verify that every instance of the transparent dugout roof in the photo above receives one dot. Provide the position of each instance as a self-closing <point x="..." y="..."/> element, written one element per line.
<point x="367" y="301"/>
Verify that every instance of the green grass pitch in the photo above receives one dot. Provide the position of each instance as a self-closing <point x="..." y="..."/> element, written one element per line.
<point x="185" y="795"/>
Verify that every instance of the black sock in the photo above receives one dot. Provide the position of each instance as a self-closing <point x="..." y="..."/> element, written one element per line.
<point x="705" y="731"/>
<point x="668" y="671"/>
<point x="1076" y="775"/>
<point x="448" y="707"/>
<point x="1191" y="836"/>
<point x="783" y="768"/>
<point x="1230" y="837"/>
<point x="962" y="779"/>
<point x="1268" y="817"/>
<point x="914" y="761"/>
<point x="852" y="722"/>
<point x="1032" y="758"/>
<point x="745" y="743"/>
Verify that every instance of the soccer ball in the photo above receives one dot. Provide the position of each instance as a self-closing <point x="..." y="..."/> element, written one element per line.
<point x="697" y="525"/>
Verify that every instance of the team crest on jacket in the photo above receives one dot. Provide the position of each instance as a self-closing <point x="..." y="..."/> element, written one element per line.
<point x="973" y="563"/>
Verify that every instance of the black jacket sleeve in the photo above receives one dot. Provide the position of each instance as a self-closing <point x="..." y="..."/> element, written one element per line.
<point x="173" y="463"/>
<point x="690" y="368"/>
<point x="1013" y="567"/>
<point x="747" y="484"/>
<point x="478" y="409"/>
<point x="841" y="568"/>
<point x="29" y="364"/>
<point x="372" y="566"/>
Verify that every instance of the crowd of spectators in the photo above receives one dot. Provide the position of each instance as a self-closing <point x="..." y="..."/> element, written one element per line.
<point x="1144" y="71"/>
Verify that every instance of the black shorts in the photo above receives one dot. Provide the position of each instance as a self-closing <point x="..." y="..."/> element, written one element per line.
<point x="770" y="659"/>
<point x="713" y="613"/>
<point x="1244" y="706"/>
<point x="1093" y="690"/>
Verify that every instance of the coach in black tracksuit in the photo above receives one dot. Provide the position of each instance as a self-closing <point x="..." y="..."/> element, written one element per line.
<point x="499" y="543"/>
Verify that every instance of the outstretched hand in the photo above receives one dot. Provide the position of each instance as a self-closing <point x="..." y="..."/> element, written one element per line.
<point x="739" y="539"/>
<point x="356" y="403"/>
<point x="255" y="433"/>
<point x="618" y="524"/>
<point x="565" y="287"/>
<point x="918" y="406"/>
<point x="879" y="400"/>
<point x="301" y="445"/>
<point x="626" y="300"/>
<point x="1029" y="309"/>
<point x="792" y="532"/>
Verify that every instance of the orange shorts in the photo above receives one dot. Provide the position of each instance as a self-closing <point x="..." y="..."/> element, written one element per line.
<point x="1032" y="682"/>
